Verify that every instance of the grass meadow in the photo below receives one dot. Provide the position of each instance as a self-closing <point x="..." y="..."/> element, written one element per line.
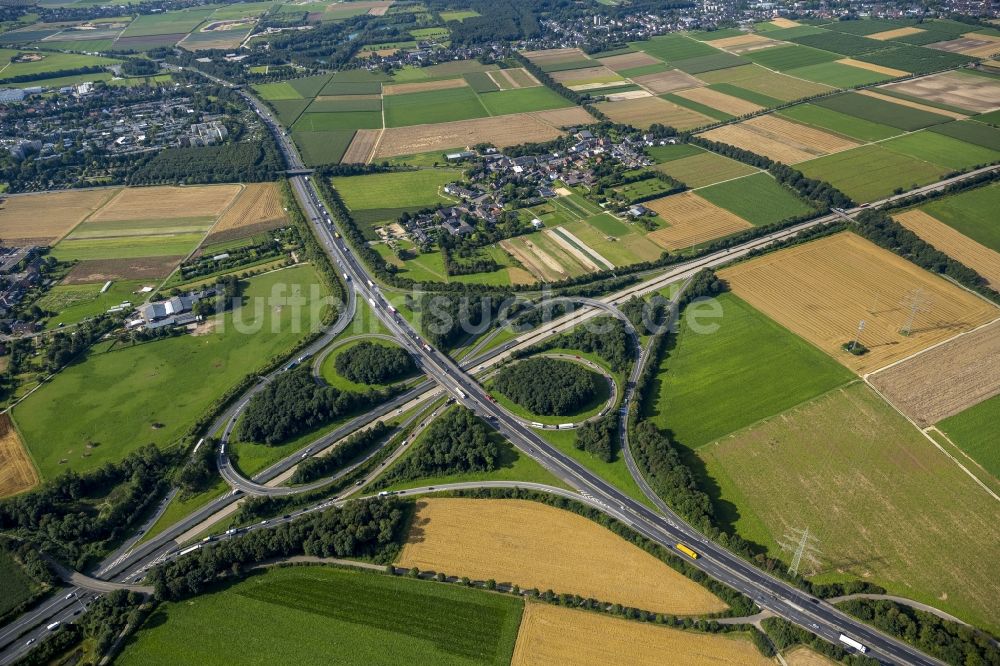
<point x="870" y="172"/>
<point x="974" y="431"/>
<point x="123" y="397"/>
<point x="840" y="123"/>
<point x="403" y="189"/>
<point x="884" y="503"/>
<point x="15" y="586"/>
<point x="750" y="368"/>
<point x="973" y="213"/>
<point x="319" y="615"/>
<point x="433" y="106"/>
<point x="759" y="199"/>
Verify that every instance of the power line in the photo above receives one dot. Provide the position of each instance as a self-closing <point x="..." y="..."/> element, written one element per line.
<point x="804" y="546"/>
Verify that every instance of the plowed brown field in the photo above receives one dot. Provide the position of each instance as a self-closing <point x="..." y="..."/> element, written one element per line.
<point x="945" y="380"/>
<point x="821" y="290"/>
<point x="557" y="635"/>
<point x="136" y="268"/>
<point x="974" y="93"/>
<point x="538" y="546"/>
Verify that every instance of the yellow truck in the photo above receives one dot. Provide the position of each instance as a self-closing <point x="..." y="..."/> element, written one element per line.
<point x="687" y="551"/>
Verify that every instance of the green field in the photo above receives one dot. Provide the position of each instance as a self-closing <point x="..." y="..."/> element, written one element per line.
<point x="167" y="23"/>
<point x="941" y="149"/>
<point x="705" y="168"/>
<point x="708" y="63"/>
<point x="758" y="199"/>
<point x="323" y="147"/>
<point x="433" y="106"/>
<point x="123" y="397"/>
<point x="403" y="189"/>
<point x="971" y="131"/>
<point x="784" y="58"/>
<point x="289" y="110"/>
<point x="152" y="245"/>
<point x="879" y="496"/>
<point x="838" y="75"/>
<point x="341" y="120"/>
<point x="867" y="173"/>
<point x="751" y="368"/>
<point x="974" y="213"/>
<point x="674" y="47"/>
<point x="839" y="42"/>
<point x="278" y="90"/>
<point x="522" y="100"/>
<point x="50" y="62"/>
<point x="15" y="586"/>
<point x="663" y="154"/>
<point x="319" y="615"/>
<point x="881" y="111"/>
<point x="916" y="59"/>
<point x="345" y="103"/>
<point x="703" y="109"/>
<point x="458" y="15"/>
<point x="72" y="303"/>
<point x="974" y="431"/>
<point x="840" y="123"/>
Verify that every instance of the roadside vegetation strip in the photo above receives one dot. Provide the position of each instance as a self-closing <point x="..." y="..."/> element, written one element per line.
<point x="553" y="634"/>
<point x="820" y="290"/>
<point x="945" y="380"/>
<point x="978" y="257"/>
<point x="537" y="546"/>
<point x="347" y="616"/>
<point x="895" y="478"/>
<point x="19" y="219"/>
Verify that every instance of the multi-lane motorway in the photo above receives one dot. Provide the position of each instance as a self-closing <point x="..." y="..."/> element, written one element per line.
<point x="666" y="529"/>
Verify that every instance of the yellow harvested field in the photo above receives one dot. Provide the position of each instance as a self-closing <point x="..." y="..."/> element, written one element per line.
<point x="743" y="137"/>
<point x="20" y="222"/>
<point x="558" y="635"/>
<point x="955" y="244"/>
<point x="552" y="56"/>
<point x="17" y="472"/>
<point x="511" y="79"/>
<point x="785" y="23"/>
<point x="501" y="131"/>
<point x="669" y="81"/>
<point x="945" y="380"/>
<point x="362" y="146"/>
<point x="740" y="40"/>
<point x="780" y="139"/>
<point x="821" y="290"/>
<point x="978" y="94"/>
<point x="803" y="656"/>
<point x="538" y="546"/>
<point x="166" y="202"/>
<point x="257" y="208"/>
<point x="872" y="67"/>
<point x="629" y="60"/>
<point x="587" y="74"/>
<point x="422" y="86"/>
<point x="913" y="105"/>
<point x="734" y="106"/>
<point x="645" y="111"/>
<point x="692" y="220"/>
<point x="897" y="32"/>
<point x="535" y="260"/>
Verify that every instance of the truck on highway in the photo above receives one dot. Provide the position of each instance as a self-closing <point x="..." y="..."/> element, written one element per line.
<point x="336" y="234"/>
<point x="427" y="347"/>
<point x="687" y="551"/>
<point x="370" y="283"/>
<point x="461" y="394"/>
<point x="392" y="309"/>
<point x="347" y="277"/>
<point x="372" y="301"/>
<point x="847" y="640"/>
<point x="565" y="426"/>
<point x="535" y="424"/>
<point x="53" y="626"/>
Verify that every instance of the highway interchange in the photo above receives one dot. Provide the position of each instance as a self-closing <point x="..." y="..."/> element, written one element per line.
<point x="447" y="376"/>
